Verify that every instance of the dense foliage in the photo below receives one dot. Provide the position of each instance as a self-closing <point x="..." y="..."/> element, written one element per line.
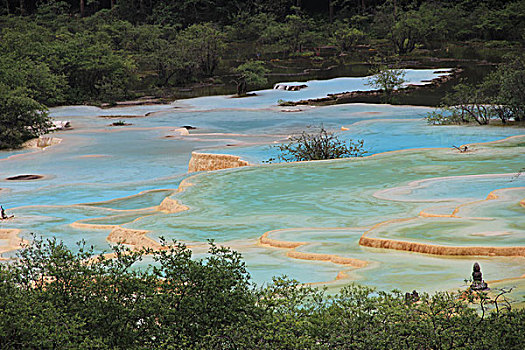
<point x="53" y="298"/>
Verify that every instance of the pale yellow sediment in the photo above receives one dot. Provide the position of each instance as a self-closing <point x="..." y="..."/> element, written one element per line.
<point x="432" y="249"/>
<point x="101" y="204"/>
<point x="264" y="240"/>
<point x="336" y="259"/>
<point x="94" y="156"/>
<point x="13" y="241"/>
<point x="341" y="275"/>
<point x="491" y="234"/>
<point x="171" y="206"/>
<point x="85" y="206"/>
<point x="493" y="195"/>
<point x="97" y="258"/>
<point x="135" y="238"/>
<point x="82" y="225"/>
<point x="185" y="184"/>
<point x="267" y="241"/>
<point x="182" y="131"/>
<point x="424" y="214"/>
<point x="210" y="162"/>
<point x="506" y="139"/>
<point x="42" y="142"/>
<point x="506" y="280"/>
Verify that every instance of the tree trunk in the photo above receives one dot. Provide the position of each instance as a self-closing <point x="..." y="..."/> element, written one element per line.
<point x="112" y="3"/>
<point x="22" y="8"/>
<point x="82" y="8"/>
<point x="331" y="8"/>
<point x="241" y="87"/>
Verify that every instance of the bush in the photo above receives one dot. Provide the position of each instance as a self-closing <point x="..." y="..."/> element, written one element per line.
<point x="318" y="145"/>
<point x="446" y="116"/>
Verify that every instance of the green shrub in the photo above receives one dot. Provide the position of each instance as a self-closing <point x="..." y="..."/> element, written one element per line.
<point x="318" y="144"/>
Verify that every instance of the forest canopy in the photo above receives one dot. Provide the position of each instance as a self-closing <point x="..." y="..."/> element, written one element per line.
<point x="103" y="51"/>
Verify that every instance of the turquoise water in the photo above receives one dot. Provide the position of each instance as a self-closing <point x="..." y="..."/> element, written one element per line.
<point x="107" y="175"/>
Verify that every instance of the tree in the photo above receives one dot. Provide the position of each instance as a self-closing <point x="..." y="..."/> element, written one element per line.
<point x="470" y="102"/>
<point x="21" y="118"/>
<point x="435" y="24"/>
<point x="35" y="78"/>
<point x="249" y="28"/>
<point x="511" y="78"/>
<point x="71" y="66"/>
<point x="500" y="95"/>
<point x="318" y="145"/>
<point x="346" y="37"/>
<point x="205" y="44"/>
<point x="279" y="8"/>
<point x="406" y="32"/>
<point x="386" y="79"/>
<point x="93" y="70"/>
<point x="204" y="299"/>
<point x="157" y="49"/>
<point x="298" y="32"/>
<point x="251" y="72"/>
